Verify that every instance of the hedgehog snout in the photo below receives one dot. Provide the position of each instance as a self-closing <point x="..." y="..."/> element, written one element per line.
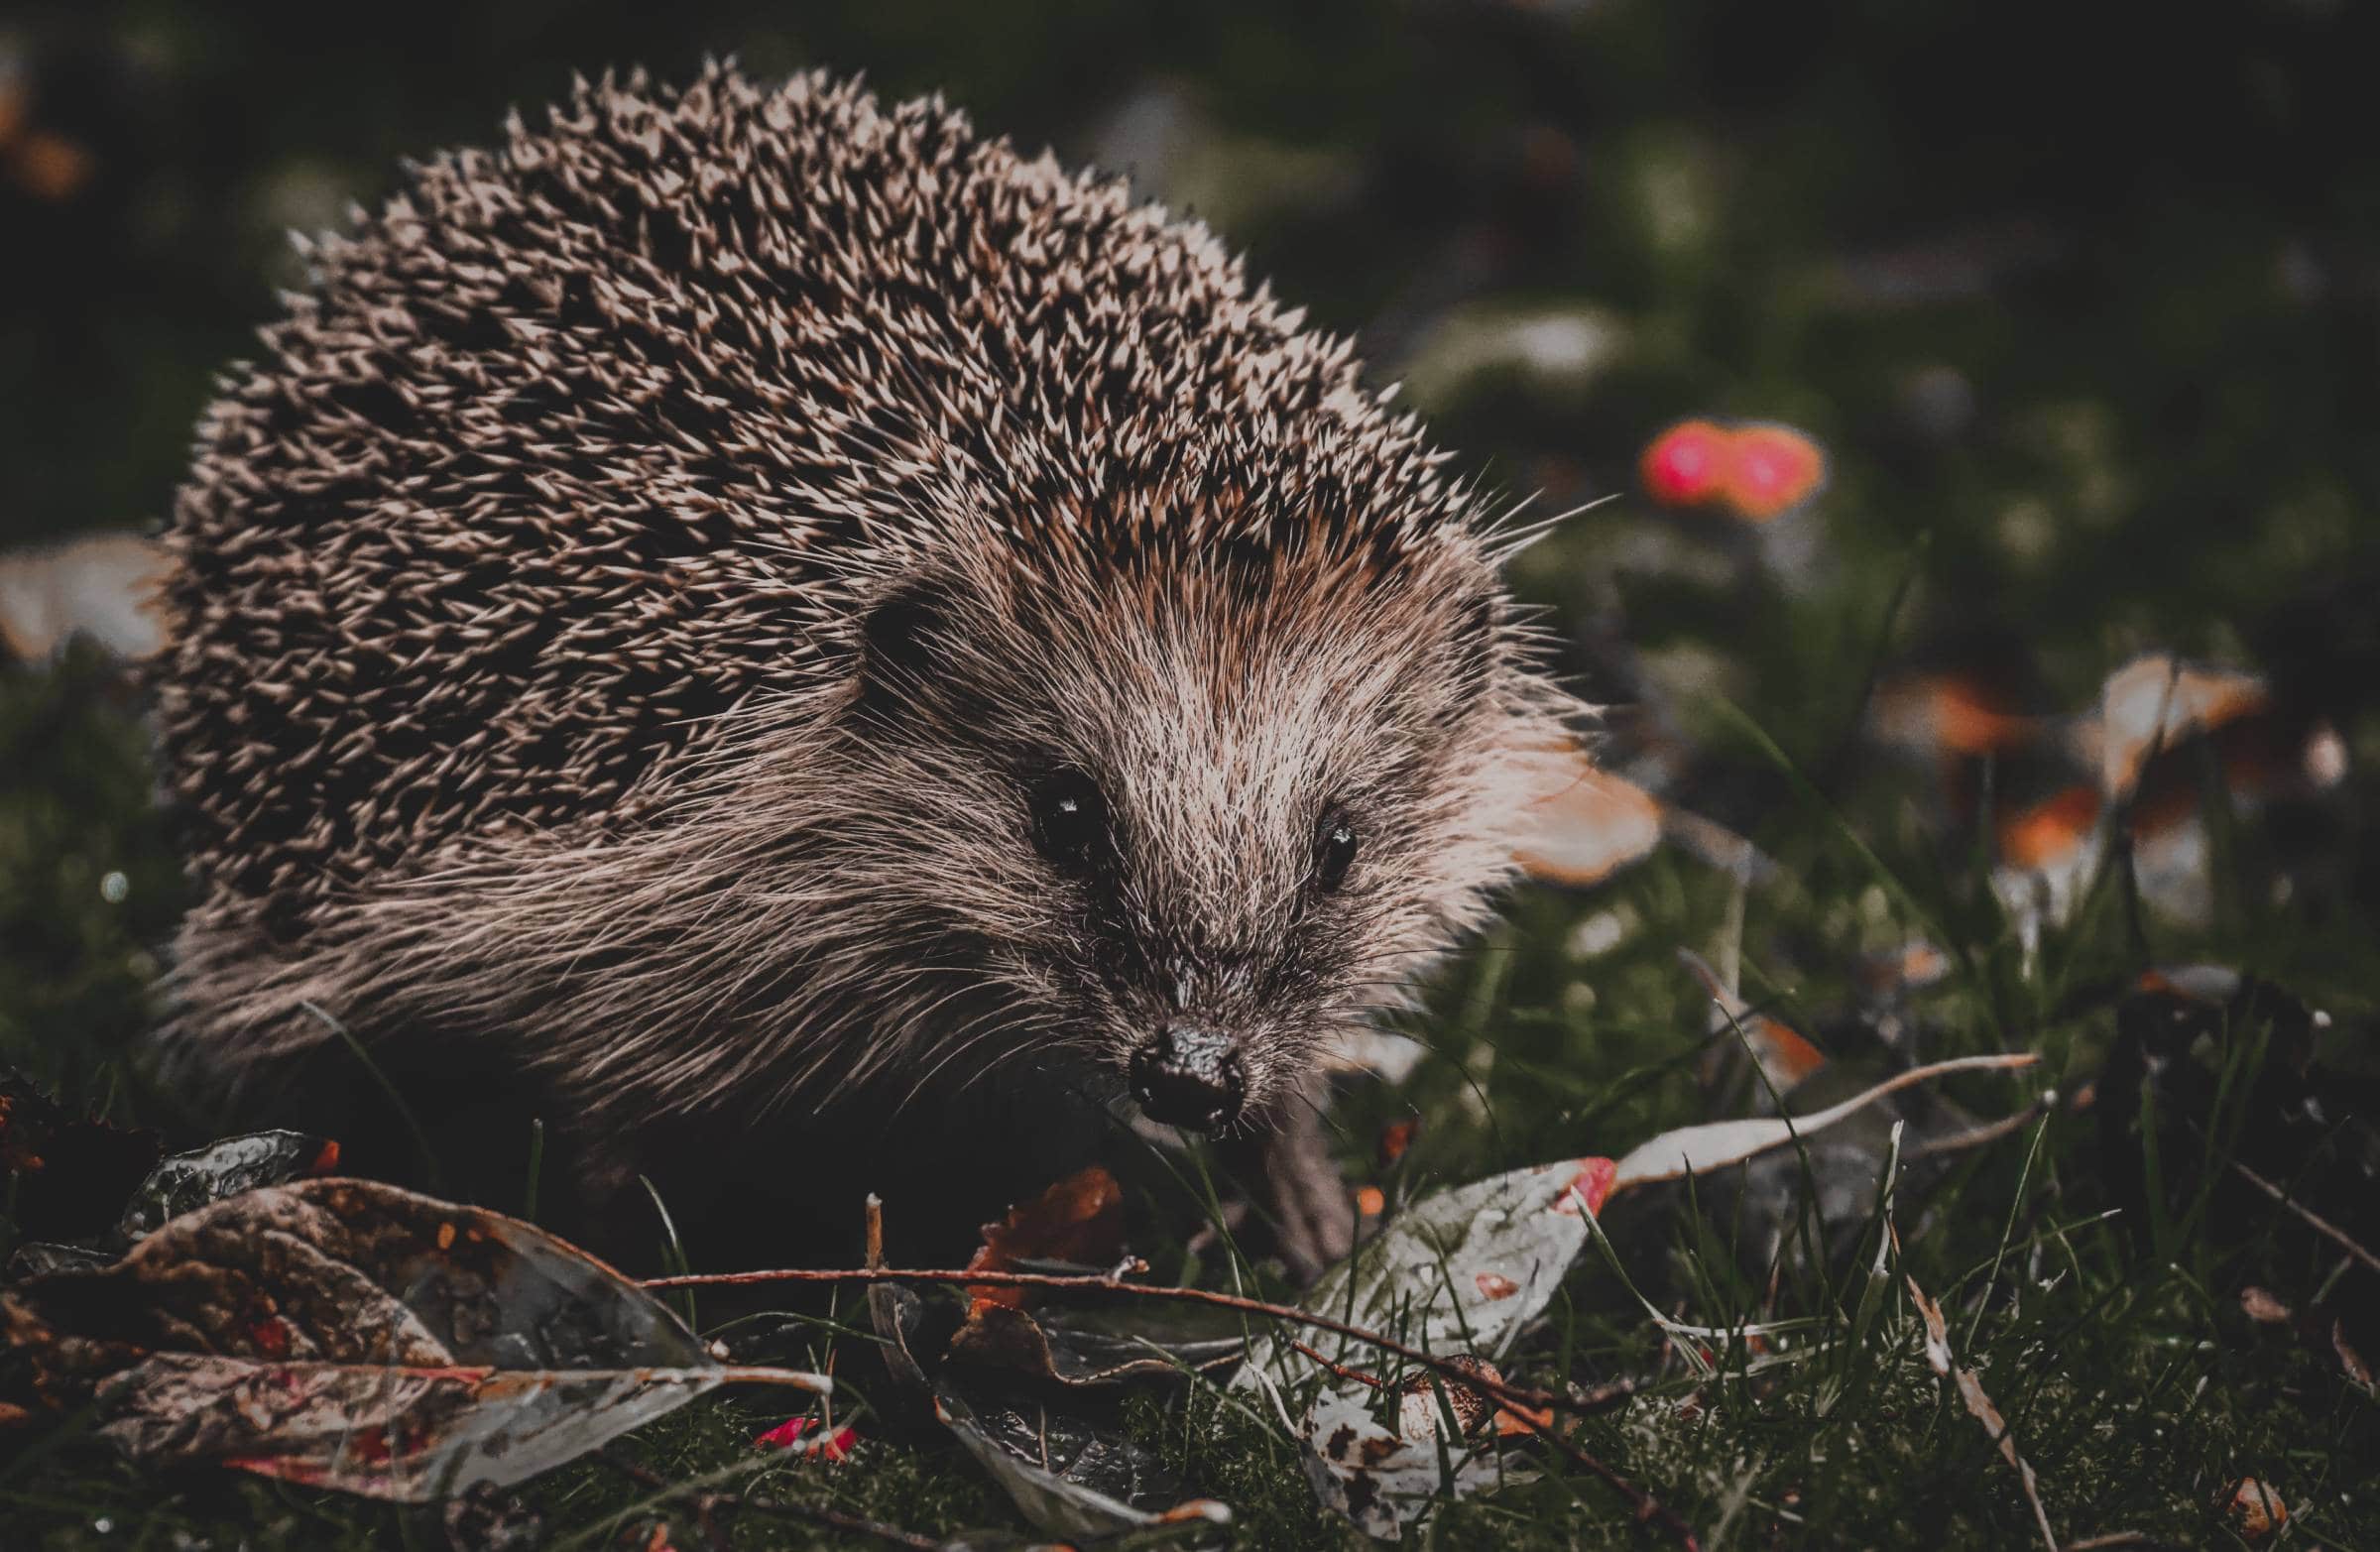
<point x="1189" y="1075"/>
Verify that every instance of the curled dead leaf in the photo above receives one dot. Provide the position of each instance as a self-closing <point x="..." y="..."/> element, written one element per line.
<point x="1417" y="1412"/>
<point x="106" y="587"/>
<point x="2254" y="1510"/>
<point x="1078" y="1220"/>
<point x="355" y="1336"/>
<point x="2260" y="1306"/>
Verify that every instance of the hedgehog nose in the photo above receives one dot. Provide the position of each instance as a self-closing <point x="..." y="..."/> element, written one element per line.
<point x="1188" y="1075"/>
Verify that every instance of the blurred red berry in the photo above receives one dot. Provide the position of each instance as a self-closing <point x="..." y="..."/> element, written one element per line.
<point x="789" y="1435"/>
<point x="785" y="1435"/>
<point x="1688" y="464"/>
<point x="1774" y="469"/>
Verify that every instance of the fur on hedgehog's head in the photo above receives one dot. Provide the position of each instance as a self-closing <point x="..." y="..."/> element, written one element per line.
<point x="1193" y="819"/>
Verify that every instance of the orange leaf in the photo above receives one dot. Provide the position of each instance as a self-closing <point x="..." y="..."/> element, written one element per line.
<point x="1077" y="1219"/>
<point x="2048" y="833"/>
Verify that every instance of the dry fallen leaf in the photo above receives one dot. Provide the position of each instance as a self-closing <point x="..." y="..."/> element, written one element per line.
<point x="1417" y="1408"/>
<point x="2260" y="1306"/>
<point x="1075" y="1480"/>
<point x="1588" y="825"/>
<point x="1466" y="1270"/>
<point x="355" y="1336"/>
<point x="2152" y="703"/>
<point x="1078" y="1220"/>
<point x="2254" y="1508"/>
<point x="106" y="587"/>
<point x="1970" y="1392"/>
<point x="409" y="1433"/>
<point x="1715" y="1144"/>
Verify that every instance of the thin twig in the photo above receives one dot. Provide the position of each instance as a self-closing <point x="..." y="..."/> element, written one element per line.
<point x="1357" y="1375"/>
<point x="1648" y="1508"/>
<point x="1515" y="1398"/>
<point x="2318" y="1224"/>
<point x="1988" y="1132"/>
<point x="1101" y="1282"/>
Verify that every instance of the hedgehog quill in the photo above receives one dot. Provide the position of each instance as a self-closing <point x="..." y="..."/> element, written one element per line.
<point x="769" y="617"/>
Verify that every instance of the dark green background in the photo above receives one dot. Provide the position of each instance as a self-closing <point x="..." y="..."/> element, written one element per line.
<point x="2148" y="237"/>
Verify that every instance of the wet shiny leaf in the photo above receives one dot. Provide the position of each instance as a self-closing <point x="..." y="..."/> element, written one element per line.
<point x="185" y="1182"/>
<point x="357" y="1336"/>
<point x="1076" y="1477"/>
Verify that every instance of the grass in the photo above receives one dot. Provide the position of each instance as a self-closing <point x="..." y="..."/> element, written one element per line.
<point x="2132" y="438"/>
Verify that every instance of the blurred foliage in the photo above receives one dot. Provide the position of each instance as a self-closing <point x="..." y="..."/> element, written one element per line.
<point x="2085" y="304"/>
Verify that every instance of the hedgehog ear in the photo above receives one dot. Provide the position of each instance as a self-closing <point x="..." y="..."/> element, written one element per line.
<point x="897" y="637"/>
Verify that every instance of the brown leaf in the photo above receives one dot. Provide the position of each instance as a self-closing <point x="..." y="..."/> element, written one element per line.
<point x="361" y="1337"/>
<point x="2254" y="1508"/>
<point x="1588" y="824"/>
<point x="106" y="587"/>
<point x="404" y="1433"/>
<point x="1418" y="1412"/>
<point x="1979" y="1404"/>
<point x="2152" y="703"/>
<point x="1079" y="1219"/>
<point x="2260" y="1306"/>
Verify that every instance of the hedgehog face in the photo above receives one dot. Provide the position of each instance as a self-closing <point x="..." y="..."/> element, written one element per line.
<point x="1194" y="829"/>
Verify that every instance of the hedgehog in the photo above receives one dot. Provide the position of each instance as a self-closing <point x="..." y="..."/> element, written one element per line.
<point x="782" y="623"/>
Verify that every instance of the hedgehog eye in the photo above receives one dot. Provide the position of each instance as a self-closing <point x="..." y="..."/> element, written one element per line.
<point x="1070" y="820"/>
<point x="1334" y="851"/>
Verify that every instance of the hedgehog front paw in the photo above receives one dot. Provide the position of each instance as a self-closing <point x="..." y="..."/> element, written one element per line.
<point x="1302" y="1195"/>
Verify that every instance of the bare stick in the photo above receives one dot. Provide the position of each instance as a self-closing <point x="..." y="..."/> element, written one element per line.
<point x="1648" y="1508"/>
<point x="1354" y="1375"/>
<point x="2313" y="1221"/>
